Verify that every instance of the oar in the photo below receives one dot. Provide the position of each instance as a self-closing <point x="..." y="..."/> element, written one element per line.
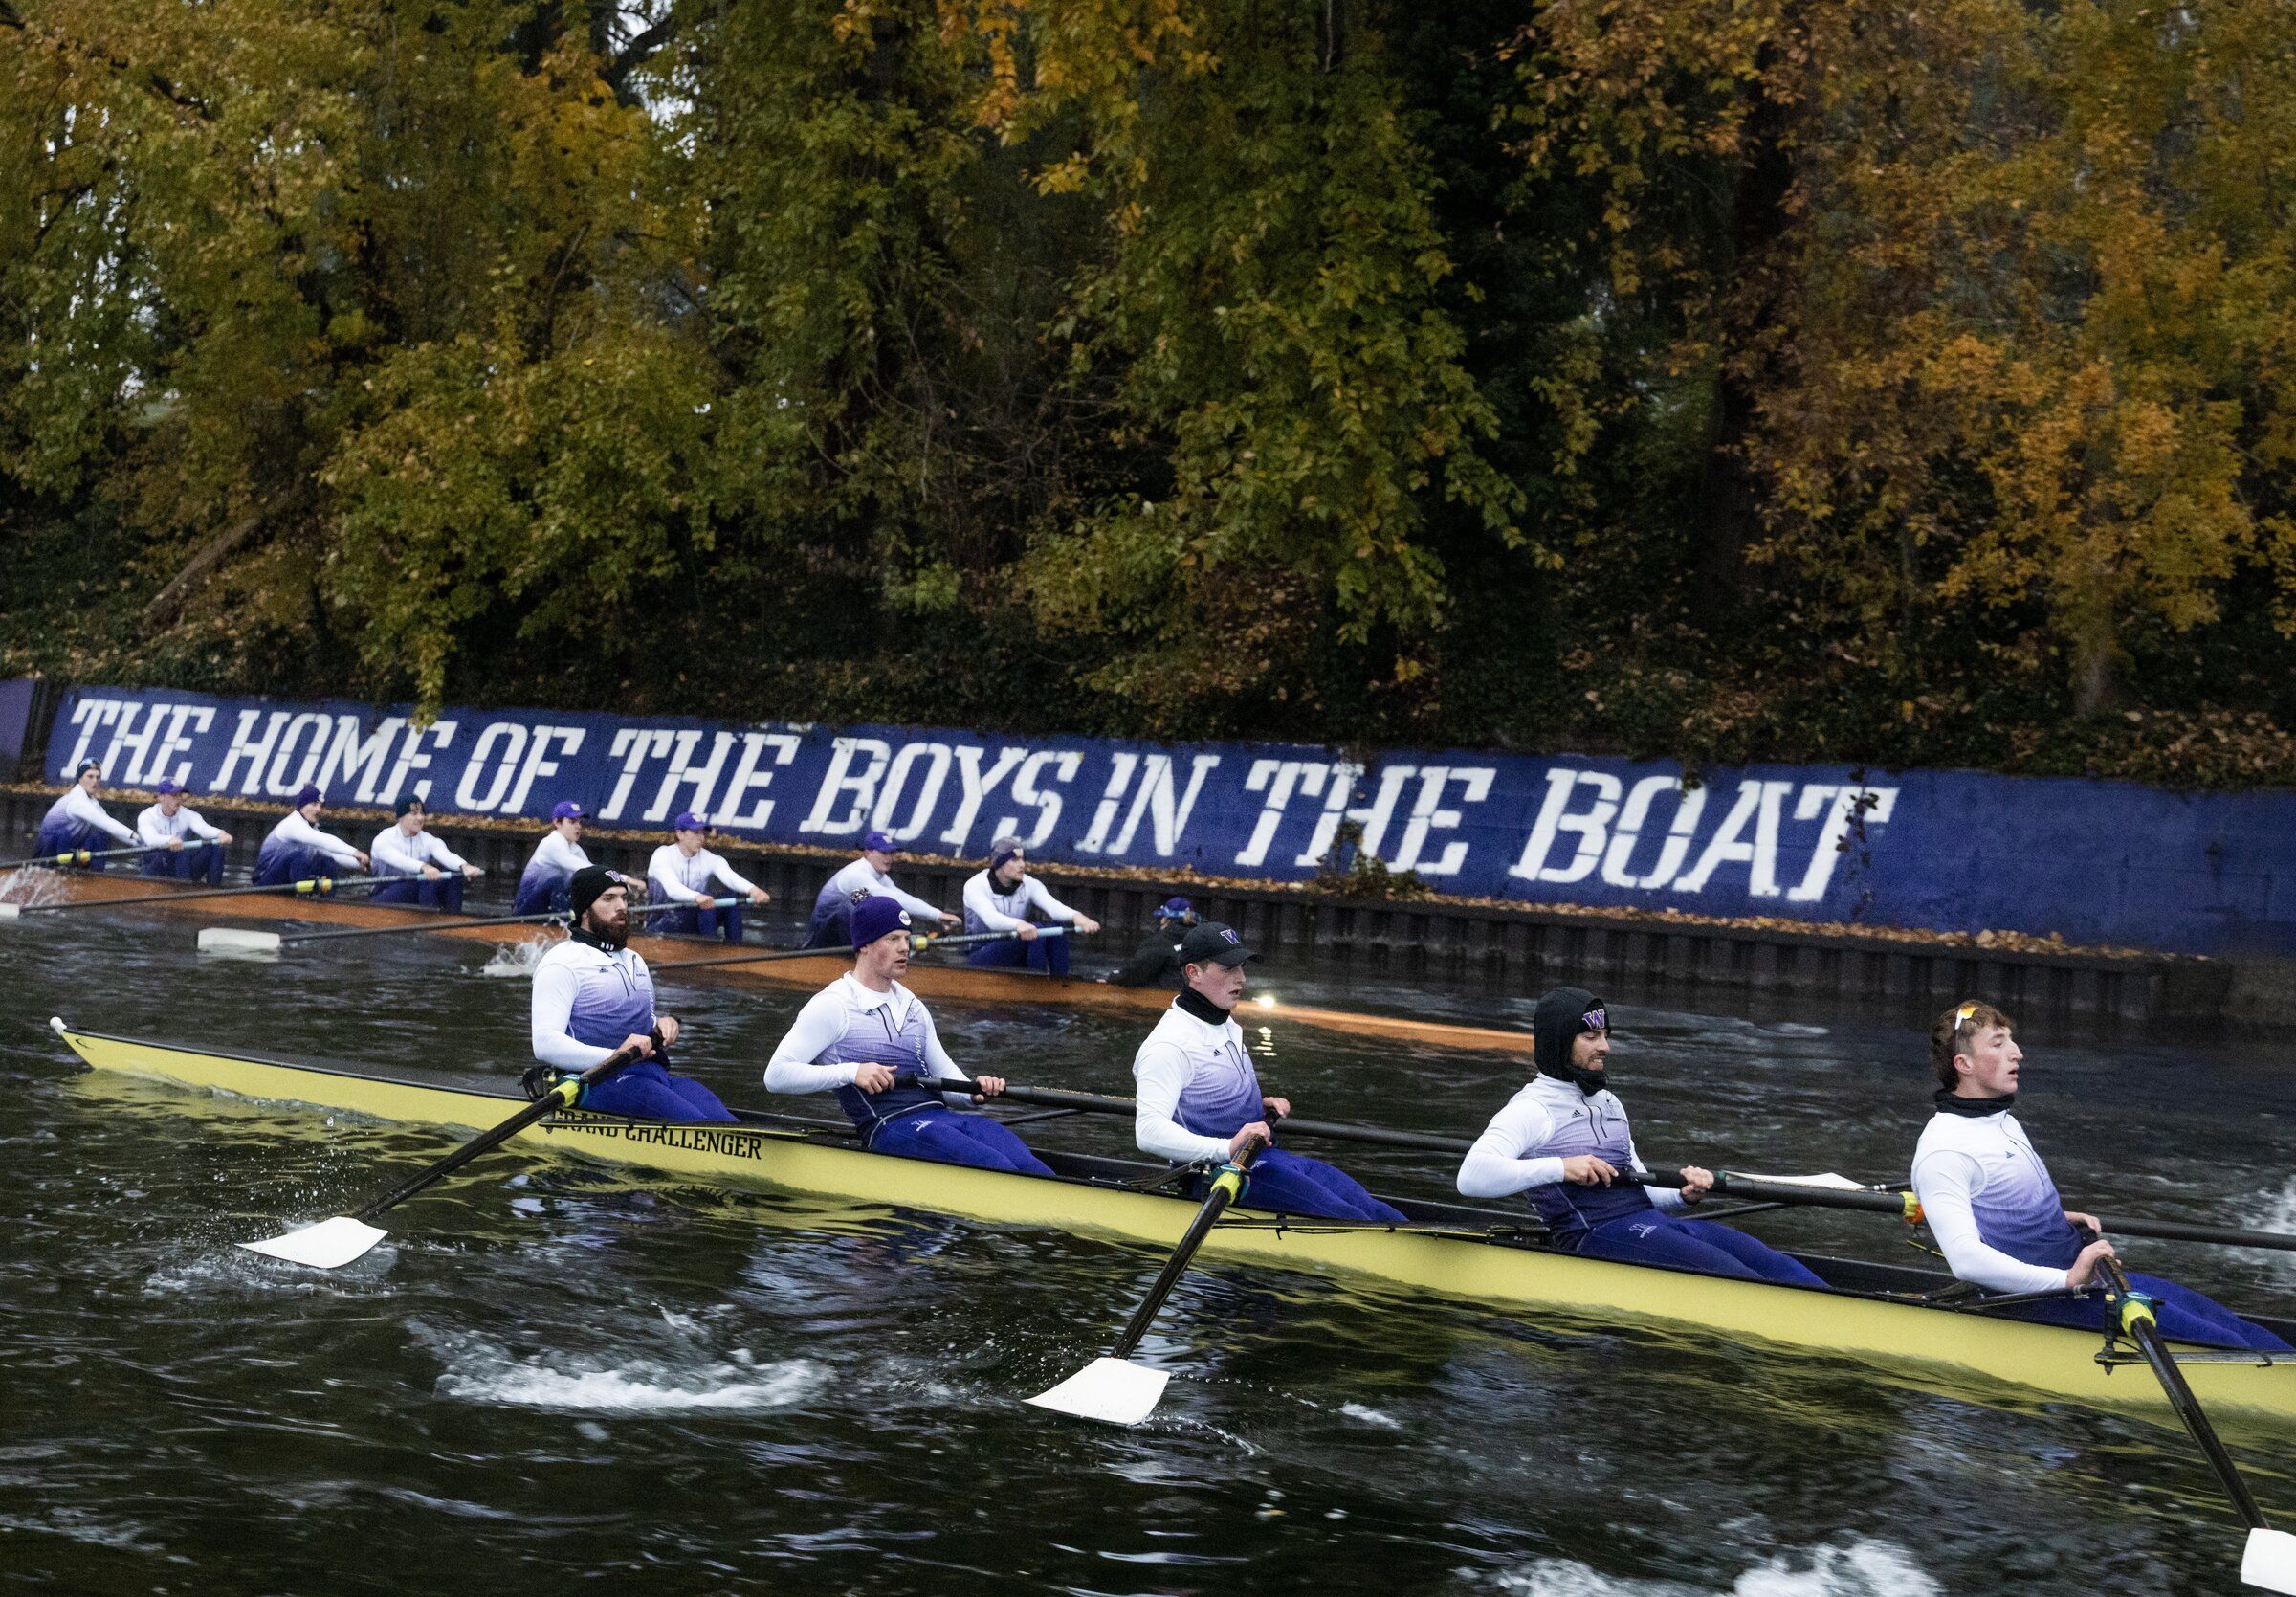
<point x="1113" y="1388"/>
<point x="309" y="887"/>
<point x="2270" y="1560"/>
<point x="767" y="956"/>
<point x="1803" y="1193"/>
<point x="212" y="938"/>
<point x="331" y="1244"/>
<point x="77" y="857"/>
<point x="1101" y="1103"/>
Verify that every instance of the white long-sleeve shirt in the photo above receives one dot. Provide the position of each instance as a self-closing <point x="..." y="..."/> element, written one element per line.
<point x="834" y="1022"/>
<point x="154" y="826"/>
<point x="862" y="877"/>
<point x="555" y="854"/>
<point x="78" y="806"/>
<point x="1978" y="1175"/>
<point x="397" y="854"/>
<point x="987" y="910"/>
<point x="1167" y="1063"/>
<point x="296" y="833"/>
<point x="1512" y="1154"/>
<point x="613" y="992"/>
<point x="686" y="879"/>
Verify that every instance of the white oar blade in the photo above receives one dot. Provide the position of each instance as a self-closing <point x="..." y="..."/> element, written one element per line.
<point x="1114" y="1391"/>
<point x="228" y="939"/>
<point x="10" y="912"/>
<point x="2270" y="1560"/>
<point x="329" y="1244"/>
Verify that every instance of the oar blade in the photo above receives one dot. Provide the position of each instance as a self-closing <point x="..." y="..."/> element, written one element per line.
<point x="10" y="912"/>
<point x="329" y="1244"/>
<point x="2270" y="1560"/>
<point x="230" y="940"/>
<point x="1114" y="1391"/>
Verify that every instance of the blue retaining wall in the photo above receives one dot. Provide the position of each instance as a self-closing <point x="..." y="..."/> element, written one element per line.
<point x="2099" y="862"/>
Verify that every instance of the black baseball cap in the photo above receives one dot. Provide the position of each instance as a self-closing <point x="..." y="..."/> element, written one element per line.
<point x="1213" y="943"/>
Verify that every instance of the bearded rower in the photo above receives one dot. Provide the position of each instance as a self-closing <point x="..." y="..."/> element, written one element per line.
<point x="1199" y="1101"/>
<point x="682" y="872"/>
<point x="297" y="849"/>
<point x="1563" y="1141"/>
<point x="594" y="997"/>
<point x="870" y="1041"/>
<point x="76" y="821"/>
<point x="433" y="873"/>
<point x="1001" y="899"/>
<point x="183" y="846"/>
<point x="1996" y="1214"/>
<point x="542" y="886"/>
<point x="834" y="905"/>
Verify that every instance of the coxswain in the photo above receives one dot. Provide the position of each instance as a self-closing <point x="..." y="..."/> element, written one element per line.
<point x="542" y="886"/>
<point x="185" y="847"/>
<point x="832" y="907"/>
<point x="682" y="872"/>
<point x="1563" y="1141"/>
<point x="872" y="1041"/>
<point x="1000" y="899"/>
<point x="593" y="997"/>
<point x="1997" y="1215"/>
<point x="434" y="875"/>
<point x="1156" y="962"/>
<point x="1198" y="1099"/>
<point x="76" y="821"/>
<point x="296" y="849"/>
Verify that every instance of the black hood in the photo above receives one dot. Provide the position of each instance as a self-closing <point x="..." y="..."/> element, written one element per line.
<point x="1556" y="1024"/>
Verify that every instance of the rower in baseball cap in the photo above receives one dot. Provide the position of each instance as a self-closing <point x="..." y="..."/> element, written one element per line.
<point x="685" y="874"/>
<point x="833" y="907"/>
<point x="543" y="885"/>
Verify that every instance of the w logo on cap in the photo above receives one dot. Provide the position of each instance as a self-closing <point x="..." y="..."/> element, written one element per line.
<point x="1228" y="934"/>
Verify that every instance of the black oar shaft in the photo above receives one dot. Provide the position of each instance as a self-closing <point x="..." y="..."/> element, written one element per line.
<point x="1785" y="1192"/>
<point x="766" y="956"/>
<point x="2136" y="1321"/>
<point x="441" y="925"/>
<point x="1103" y="1103"/>
<point x="1225" y="1186"/>
<point x="2180" y="1230"/>
<point x="77" y="856"/>
<point x="309" y="887"/>
<point x="562" y="1096"/>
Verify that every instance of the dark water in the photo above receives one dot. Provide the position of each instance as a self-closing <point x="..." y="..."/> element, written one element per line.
<point x="554" y="1377"/>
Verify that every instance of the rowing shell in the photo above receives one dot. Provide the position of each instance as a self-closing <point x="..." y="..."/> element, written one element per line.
<point x="959" y="984"/>
<point x="1866" y="1312"/>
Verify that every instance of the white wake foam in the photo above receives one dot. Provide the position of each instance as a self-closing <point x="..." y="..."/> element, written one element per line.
<point x="479" y="1372"/>
<point x="34" y="884"/>
<point x="1852" y="1569"/>
<point x="518" y="958"/>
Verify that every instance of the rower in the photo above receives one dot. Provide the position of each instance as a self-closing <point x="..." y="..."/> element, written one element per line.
<point x="594" y="997"/>
<point x="76" y="821"/>
<point x="434" y="873"/>
<point x="166" y="824"/>
<point x="1198" y="1099"/>
<point x="832" y="907"/>
<point x="543" y="885"/>
<point x="297" y="849"/>
<point x="1563" y="1141"/>
<point x="1996" y="1214"/>
<point x="1156" y="962"/>
<point x="999" y="899"/>
<point x="682" y="872"/>
<point x="870" y="1041"/>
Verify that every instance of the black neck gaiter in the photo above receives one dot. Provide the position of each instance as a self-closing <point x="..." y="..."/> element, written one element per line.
<point x="1192" y="1002"/>
<point x="1950" y="1102"/>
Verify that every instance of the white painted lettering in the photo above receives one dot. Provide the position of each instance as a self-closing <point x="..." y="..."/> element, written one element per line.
<point x="976" y="788"/>
<point x="1842" y="815"/>
<point x="511" y="736"/>
<point x="842" y="805"/>
<point x="1428" y="815"/>
<point x="1757" y="807"/>
<point x="750" y="779"/>
<point x="884" y="815"/>
<point x="1027" y="788"/>
<point x="1618" y="859"/>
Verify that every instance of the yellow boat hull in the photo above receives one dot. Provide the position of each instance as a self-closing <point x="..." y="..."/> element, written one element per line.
<point x="1939" y="1348"/>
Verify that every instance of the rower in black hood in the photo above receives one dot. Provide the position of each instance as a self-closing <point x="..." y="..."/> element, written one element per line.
<point x="1562" y="1017"/>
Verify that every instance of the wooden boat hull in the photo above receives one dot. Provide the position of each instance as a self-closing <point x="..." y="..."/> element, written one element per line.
<point x="1449" y="1252"/>
<point x="954" y="982"/>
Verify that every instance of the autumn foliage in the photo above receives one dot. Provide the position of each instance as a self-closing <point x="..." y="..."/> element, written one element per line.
<point x="1722" y="378"/>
